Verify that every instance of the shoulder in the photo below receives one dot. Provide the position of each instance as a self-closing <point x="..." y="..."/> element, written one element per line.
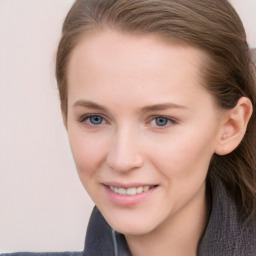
<point x="101" y="239"/>
<point x="227" y="233"/>
<point x="43" y="254"/>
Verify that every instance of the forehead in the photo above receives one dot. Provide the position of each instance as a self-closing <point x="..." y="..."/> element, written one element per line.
<point x="108" y="63"/>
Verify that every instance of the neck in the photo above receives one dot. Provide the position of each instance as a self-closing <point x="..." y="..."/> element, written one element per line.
<point x="178" y="235"/>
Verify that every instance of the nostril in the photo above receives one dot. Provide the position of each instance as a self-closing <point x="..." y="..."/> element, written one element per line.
<point x="124" y="162"/>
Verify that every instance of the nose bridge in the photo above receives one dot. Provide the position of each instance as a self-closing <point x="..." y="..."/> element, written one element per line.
<point x="124" y="152"/>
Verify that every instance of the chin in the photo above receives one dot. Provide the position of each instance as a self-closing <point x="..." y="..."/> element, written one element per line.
<point x="137" y="229"/>
<point x="129" y="224"/>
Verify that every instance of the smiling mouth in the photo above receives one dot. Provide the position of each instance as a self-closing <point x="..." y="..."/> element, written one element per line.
<point x="131" y="191"/>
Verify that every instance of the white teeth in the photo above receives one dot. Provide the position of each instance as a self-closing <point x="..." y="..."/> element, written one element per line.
<point x="139" y="190"/>
<point x="122" y="191"/>
<point x="145" y="188"/>
<point x="130" y="191"/>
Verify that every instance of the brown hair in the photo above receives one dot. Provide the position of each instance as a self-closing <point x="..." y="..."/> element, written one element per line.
<point x="212" y="26"/>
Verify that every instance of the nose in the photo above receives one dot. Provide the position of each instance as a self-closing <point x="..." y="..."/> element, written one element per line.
<point x="124" y="154"/>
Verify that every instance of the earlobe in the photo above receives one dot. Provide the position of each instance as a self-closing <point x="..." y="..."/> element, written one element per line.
<point x="233" y="127"/>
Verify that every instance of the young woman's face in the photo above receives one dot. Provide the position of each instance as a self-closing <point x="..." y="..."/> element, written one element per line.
<point x="142" y="128"/>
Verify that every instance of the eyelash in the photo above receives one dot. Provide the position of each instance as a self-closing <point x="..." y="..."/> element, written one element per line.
<point x="169" y="121"/>
<point x="86" y="118"/>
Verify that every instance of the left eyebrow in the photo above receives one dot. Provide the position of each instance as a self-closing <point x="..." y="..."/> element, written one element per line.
<point x="163" y="106"/>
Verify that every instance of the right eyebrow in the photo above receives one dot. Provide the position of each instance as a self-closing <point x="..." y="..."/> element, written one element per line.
<point x="89" y="104"/>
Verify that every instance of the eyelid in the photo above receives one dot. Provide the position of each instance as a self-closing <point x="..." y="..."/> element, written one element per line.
<point x="172" y="121"/>
<point x="84" y="117"/>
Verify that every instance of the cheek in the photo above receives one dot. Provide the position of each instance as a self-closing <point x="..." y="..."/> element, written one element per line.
<point x="88" y="151"/>
<point x="184" y="156"/>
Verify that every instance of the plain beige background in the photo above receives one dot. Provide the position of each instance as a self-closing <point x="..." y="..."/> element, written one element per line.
<point x="43" y="206"/>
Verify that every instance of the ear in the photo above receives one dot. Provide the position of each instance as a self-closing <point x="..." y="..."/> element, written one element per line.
<point x="233" y="126"/>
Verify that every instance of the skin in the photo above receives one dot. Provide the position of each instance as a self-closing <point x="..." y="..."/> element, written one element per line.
<point x="126" y="75"/>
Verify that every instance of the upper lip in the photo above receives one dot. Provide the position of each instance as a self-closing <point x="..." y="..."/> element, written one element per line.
<point x="128" y="185"/>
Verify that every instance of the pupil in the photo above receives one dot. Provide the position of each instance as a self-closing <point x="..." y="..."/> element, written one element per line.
<point x="96" y="119"/>
<point x="161" y="121"/>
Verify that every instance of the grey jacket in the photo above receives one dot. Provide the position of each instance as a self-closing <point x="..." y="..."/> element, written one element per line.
<point x="225" y="233"/>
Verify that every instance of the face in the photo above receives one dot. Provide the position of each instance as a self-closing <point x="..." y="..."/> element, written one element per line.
<point x="142" y="128"/>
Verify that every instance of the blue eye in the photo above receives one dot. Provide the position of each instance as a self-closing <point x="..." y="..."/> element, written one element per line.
<point x="95" y="120"/>
<point x="92" y="119"/>
<point x="161" y="121"/>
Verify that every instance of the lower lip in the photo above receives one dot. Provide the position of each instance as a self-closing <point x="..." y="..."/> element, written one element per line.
<point x="128" y="200"/>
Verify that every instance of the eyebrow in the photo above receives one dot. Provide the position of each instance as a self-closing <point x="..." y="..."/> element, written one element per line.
<point x="150" y="108"/>
<point x="162" y="106"/>
<point x="89" y="104"/>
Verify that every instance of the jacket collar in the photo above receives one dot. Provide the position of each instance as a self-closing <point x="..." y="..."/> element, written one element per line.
<point x="101" y="239"/>
<point x="226" y="232"/>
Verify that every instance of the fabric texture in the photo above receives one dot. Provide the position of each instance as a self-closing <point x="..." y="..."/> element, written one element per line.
<point x="225" y="233"/>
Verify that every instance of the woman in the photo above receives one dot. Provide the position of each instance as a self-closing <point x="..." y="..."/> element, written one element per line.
<point x="158" y="99"/>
